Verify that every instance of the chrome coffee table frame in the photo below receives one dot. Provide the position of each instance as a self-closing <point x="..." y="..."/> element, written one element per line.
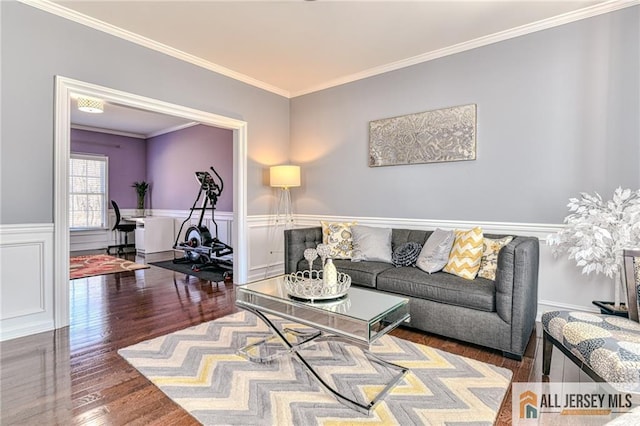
<point x="362" y="318"/>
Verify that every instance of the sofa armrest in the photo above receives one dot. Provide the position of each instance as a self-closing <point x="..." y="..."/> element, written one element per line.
<point x="296" y="241"/>
<point x="517" y="287"/>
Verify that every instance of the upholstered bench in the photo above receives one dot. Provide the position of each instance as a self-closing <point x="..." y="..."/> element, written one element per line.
<point x="606" y="347"/>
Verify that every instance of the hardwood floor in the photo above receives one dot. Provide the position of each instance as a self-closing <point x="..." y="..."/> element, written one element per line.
<point x="75" y="376"/>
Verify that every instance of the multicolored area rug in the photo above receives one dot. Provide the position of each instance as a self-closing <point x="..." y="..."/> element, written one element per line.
<point x="198" y="369"/>
<point x="100" y="264"/>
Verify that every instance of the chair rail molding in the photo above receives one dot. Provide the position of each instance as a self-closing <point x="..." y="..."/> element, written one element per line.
<point x="26" y="279"/>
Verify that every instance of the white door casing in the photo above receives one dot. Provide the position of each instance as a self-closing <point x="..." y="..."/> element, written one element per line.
<point x="65" y="89"/>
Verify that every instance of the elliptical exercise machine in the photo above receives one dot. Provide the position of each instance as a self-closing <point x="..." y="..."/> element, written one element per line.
<point x="201" y="248"/>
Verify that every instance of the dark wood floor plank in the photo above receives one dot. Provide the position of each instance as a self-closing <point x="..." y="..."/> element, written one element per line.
<point x="75" y="376"/>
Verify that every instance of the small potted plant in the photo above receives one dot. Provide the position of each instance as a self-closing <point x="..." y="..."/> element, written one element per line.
<point x="141" y="190"/>
<point x="597" y="232"/>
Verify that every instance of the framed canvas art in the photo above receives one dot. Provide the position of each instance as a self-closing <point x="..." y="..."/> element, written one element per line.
<point x="447" y="134"/>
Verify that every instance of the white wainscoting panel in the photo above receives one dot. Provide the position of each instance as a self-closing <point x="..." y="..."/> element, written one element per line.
<point x="266" y="247"/>
<point x="101" y="239"/>
<point x="26" y="280"/>
<point x="26" y="259"/>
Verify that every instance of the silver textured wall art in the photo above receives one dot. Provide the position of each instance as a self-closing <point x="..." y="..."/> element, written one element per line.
<point x="447" y="134"/>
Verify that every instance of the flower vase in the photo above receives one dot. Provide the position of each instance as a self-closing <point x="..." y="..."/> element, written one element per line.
<point x="617" y="284"/>
<point x="330" y="274"/>
<point x="140" y="207"/>
<point x="617" y="307"/>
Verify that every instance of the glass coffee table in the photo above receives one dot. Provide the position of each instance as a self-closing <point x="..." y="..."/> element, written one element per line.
<point x="360" y="318"/>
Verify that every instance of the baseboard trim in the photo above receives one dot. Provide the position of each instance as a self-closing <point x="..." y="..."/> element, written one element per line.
<point x="550" y="305"/>
<point x="26" y="330"/>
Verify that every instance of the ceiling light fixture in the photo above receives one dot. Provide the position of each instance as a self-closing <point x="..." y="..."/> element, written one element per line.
<point x="94" y="106"/>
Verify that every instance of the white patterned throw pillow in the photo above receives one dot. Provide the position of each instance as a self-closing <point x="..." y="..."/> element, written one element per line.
<point x="338" y="236"/>
<point x="489" y="261"/>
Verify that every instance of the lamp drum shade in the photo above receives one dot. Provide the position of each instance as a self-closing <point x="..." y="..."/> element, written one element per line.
<point x="284" y="176"/>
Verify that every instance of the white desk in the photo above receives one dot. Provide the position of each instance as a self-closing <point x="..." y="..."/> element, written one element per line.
<point x="154" y="234"/>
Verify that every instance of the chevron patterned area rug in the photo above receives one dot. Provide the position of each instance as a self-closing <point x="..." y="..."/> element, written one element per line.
<point x="198" y="369"/>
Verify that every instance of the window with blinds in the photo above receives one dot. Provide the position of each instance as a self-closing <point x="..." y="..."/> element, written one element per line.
<point x="88" y="191"/>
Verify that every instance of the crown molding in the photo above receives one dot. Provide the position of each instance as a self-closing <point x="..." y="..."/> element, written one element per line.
<point x="171" y="129"/>
<point x="566" y="18"/>
<point x="136" y="135"/>
<point x="64" y="12"/>
<point x="107" y="131"/>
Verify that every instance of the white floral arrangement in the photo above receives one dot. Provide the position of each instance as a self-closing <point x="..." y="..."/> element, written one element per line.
<point x="596" y="232"/>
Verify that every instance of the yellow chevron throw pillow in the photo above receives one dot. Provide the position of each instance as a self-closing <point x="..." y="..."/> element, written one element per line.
<point x="465" y="256"/>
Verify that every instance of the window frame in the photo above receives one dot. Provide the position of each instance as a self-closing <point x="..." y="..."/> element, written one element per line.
<point x="105" y="204"/>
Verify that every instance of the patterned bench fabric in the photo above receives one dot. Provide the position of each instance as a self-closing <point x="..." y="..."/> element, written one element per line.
<point x="609" y="344"/>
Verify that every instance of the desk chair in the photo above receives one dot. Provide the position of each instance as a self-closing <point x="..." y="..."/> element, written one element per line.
<point x="125" y="228"/>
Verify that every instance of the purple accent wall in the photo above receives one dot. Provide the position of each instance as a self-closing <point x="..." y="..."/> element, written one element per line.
<point x="127" y="161"/>
<point x="173" y="159"/>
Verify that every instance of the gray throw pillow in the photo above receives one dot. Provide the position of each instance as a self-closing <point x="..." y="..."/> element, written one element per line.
<point x="435" y="252"/>
<point x="371" y="243"/>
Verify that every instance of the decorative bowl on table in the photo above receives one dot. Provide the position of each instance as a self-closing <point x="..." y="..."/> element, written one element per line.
<point x="308" y="286"/>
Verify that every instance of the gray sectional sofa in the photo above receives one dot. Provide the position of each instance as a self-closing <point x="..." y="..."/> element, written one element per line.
<point x="497" y="314"/>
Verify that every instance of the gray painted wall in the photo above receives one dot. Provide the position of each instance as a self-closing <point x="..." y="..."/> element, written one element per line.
<point x="36" y="46"/>
<point x="558" y="113"/>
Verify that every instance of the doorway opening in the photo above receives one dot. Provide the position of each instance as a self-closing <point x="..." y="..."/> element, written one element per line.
<point x="66" y="89"/>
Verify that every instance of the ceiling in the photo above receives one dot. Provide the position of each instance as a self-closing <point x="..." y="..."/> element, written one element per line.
<point x="294" y="47"/>
<point x="126" y="121"/>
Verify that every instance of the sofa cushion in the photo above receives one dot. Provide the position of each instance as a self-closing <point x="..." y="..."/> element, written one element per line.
<point x="401" y="236"/>
<point x="362" y="273"/>
<point x="439" y="287"/>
